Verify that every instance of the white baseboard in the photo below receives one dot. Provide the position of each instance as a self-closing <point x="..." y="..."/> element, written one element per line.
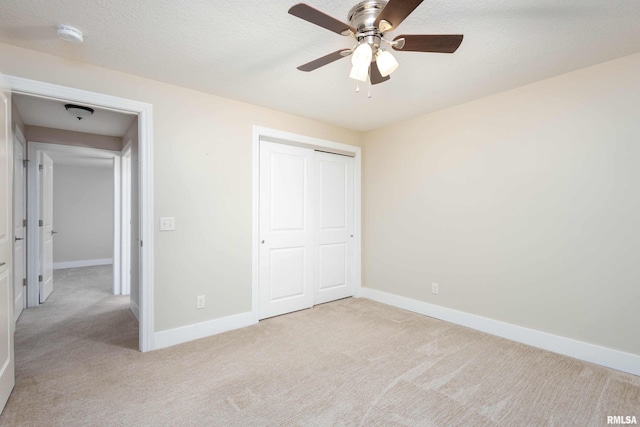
<point x="135" y="309"/>
<point x="82" y="263"/>
<point x="201" y="330"/>
<point x="608" y="357"/>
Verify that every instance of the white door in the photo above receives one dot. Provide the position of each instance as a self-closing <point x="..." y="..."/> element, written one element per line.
<point x="7" y="373"/>
<point x="46" y="230"/>
<point x="334" y="227"/>
<point x="286" y="229"/>
<point x="19" y="229"/>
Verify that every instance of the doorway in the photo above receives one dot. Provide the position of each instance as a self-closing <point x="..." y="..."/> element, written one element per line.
<point x="145" y="184"/>
<point x="75" y="191"/>
<point x="306" y="222"/>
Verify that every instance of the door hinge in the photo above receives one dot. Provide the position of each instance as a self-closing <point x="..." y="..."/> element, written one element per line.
<point x="40" y="223"/>
<point x="25" y="162"/>
<point x="40" y="168"/>
<point x="40" y="278"/>
<point x="24" y="222"/>
<point x="24" y="282"/>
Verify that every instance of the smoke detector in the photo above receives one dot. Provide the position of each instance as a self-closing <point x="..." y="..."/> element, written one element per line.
<point x="69" y="34"/>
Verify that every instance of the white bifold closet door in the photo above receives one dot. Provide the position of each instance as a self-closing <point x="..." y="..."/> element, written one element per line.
<point x="306" y="228"/>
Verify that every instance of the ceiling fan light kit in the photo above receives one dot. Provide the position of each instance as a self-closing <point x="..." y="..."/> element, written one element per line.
<point x="369" y="20"/>
<point x="387" y="64"/>
<point x="360" y="60"/>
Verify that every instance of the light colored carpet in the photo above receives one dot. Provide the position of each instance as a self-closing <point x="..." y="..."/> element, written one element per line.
<point x="346" y="363"/>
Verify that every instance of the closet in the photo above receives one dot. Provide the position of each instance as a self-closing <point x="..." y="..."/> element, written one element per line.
<point x="306" y="228"/>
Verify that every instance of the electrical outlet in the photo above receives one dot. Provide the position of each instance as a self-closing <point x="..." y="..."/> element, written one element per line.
<point x="434" y="288"/>
<point x="200" y="301"/>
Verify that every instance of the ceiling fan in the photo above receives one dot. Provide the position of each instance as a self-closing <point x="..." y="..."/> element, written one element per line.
<point x="369" y="21"/>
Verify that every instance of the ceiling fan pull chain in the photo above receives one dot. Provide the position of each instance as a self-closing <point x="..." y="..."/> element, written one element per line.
<point x="369" y="95"/>
<point x="357" y="86"/>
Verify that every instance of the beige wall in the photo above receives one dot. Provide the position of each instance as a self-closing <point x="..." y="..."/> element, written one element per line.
<point x="83" y="211"/>
<point x="202" y="177"/>
<point x="522" y="206"/>
<point x="75" y="139"/>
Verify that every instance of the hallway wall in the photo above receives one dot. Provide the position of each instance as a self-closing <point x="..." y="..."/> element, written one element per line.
<point x="83" y="214"/>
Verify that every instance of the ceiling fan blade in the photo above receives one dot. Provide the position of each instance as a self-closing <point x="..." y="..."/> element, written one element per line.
<point x="430" y="43"/>
<point x="327" y="59"/>
<point x="314" y="16"/>
<point x="376" y="77"/>
<point x="395" y="12"/>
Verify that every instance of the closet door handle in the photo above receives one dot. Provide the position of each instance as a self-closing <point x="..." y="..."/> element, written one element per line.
<point x="18" y="238"/>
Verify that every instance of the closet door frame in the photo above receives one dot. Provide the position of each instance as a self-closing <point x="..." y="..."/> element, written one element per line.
<point x="287" y="138"/>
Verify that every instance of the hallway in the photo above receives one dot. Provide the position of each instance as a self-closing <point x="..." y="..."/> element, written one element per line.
<point x="81" y="321"/>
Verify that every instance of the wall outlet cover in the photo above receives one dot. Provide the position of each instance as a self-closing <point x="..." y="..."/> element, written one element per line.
<point x="200" y="302"/>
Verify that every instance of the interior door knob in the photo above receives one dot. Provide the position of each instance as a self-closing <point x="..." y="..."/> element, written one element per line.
<point x="53" y="232"/>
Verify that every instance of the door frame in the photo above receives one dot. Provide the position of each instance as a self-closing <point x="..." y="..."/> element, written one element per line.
<point x="125" y="219"/>
<point x="288" y="138"/>
<point x="19" y="136"/>
<point x="144" y="112"/>
<point x="34" y="148"/>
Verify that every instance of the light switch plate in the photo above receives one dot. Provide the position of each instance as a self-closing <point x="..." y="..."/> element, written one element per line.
<point x="167" y="223"/>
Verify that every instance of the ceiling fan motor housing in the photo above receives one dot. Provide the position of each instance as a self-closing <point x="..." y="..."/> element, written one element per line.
<point x="362" y="17"/>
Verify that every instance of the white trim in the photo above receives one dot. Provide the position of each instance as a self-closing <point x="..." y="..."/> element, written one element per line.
<point x="117" y="224"/>
<point x="125" y="220"/>
<point x="82" y="263"/>
<point x="288" y="138"/>
<point x="145" y="140"/>
<point x="255" y="223"/>
<point x="76" y="151"/>
<point x="34" y="148"/>
<point x="33" y="238"/>
<point x="19" y="136"/>
<point x="202" y="330"/>
<point x="145" y="176"/>
<point x="608" y="357"/>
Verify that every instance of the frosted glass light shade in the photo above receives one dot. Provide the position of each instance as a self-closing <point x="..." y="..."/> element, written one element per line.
<point x="362" y="55"/>
<point x="387" y="64"/>
<point x="359" y="73"/>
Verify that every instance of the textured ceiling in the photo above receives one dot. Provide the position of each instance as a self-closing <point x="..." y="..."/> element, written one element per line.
<point x="249" y="50"/>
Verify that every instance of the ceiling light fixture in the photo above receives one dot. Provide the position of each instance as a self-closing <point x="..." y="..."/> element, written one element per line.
<point x="78" y="111"/>
<point x="361" y="60"/>
<point x="368" y="22"/>
<point x="387" y="64"/>
<point x="70" y="34"/>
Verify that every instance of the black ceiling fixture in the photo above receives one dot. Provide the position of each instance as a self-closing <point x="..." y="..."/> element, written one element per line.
<point x="79" y="111"/>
